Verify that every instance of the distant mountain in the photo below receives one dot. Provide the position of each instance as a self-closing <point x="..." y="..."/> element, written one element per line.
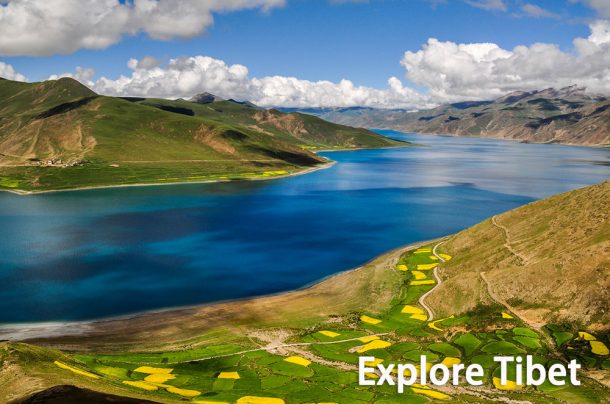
<point x="59" y="134"/>
<point x="205" y="98"/>
<point x="568" y="115"/>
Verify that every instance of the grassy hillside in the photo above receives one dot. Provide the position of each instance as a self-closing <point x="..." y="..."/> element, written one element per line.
<point x="549" y="260"/>
<point x="303" y="346"/>
<point x="59" y="134"/>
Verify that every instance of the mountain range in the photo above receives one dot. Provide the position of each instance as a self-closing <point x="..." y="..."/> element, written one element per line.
<point x="569" y="115"/>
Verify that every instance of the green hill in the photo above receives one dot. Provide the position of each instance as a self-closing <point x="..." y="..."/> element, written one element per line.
<point x="60" y="135"/>
<point x="304" y="346"/>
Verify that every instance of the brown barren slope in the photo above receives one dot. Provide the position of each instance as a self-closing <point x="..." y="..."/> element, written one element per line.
<point x="548" y="260"/>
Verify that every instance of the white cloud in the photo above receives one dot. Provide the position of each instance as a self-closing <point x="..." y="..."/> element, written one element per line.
<point x="453" y="71"/>
<point x="490" y="5"/>
<point x="446" y="71"/>
<point x="43" y="27"/>
<point x="84" y="75"/>
<point x="8" y="72"/>
<point x="532" y="10"/>
<point x="185" y="77"/>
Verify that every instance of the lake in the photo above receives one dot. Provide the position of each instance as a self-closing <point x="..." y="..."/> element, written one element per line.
<point x="107" y="252"/>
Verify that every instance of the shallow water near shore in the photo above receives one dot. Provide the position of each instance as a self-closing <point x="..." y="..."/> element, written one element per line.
<point x="106" y="252"/>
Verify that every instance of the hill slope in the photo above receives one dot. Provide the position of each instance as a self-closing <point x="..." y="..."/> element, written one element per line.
<point x="549" y="260"/>
<point x="60" y="134"/>
<point x="566" y="116"/>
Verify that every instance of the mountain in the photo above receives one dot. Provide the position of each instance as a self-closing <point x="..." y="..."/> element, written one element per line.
<point x="205" y="98"/>
<point x="549" y="260"/>
<point x="59" y="134"/>
<point x="568" y="115"/>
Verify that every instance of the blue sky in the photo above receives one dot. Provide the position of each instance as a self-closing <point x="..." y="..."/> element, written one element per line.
<point x="361" y="41"/>
<point x="315" y="40"/>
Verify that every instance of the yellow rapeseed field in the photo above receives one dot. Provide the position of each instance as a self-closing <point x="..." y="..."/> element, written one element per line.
<point x="435" y="327"/>
<point x="506" y="315"/>
<point x="424" y="282"/>
<point x="330" y="334"/>
<point x="75" y="370"/>
<point x="152" y="371"/>
<point x="586" y="336"/>
<point x="377" y="344"/>
<point x="159" y="377"/>
<point x="368" y="338"/>
<point x="259" y="400"/>
<point x="183" y="392"/>
<point x="599" y="348"/>
<point x="415" y="313"/>
<point x="228" y="375"/>
<point x="370" y="320"/>
<point x="408" y="309"/>
<point x="418" y="275"/>
<point x="510" y="385"/>
<point x="430" y="393"/>
<point x="141" y="385"/>
<point x="450" y="361"/>
<point x="425" y="267"/>
<point x="402" y="267"/>
<point x="297" y="360"/>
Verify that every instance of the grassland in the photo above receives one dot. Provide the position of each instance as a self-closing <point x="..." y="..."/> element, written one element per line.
<point x="59" y="135"/>
<point x="303" y="346"/>
<point x="305" y="353"/>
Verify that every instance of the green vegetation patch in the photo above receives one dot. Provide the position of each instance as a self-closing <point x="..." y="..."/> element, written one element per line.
<point x="445" y="349"/>
<point x="533" y="343"/>
<point x="502" y="348"/>
<point x="468" y="342"/>
<point x="526" y="332"/>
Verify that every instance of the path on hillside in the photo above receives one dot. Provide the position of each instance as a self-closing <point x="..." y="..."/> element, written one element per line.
<point x="522" y="259"/>
<point x="532" y="324"/>
<point x="438" y="283"/>
<point x="269" y="347"/>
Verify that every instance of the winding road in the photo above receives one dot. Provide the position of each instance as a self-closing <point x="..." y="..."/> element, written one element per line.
<point x="422" y="299"/>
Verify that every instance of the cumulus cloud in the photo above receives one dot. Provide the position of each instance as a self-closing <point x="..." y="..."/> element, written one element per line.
<point x="8" y="72"/>
<point x="184" y="77"/>
<point x="84" y="75"/>
<point x="42" y="27"/>
<point x="446" y="71"/>
<point x="453" y="71"/>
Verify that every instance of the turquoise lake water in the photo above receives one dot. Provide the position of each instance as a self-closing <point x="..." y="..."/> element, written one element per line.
<point x="100" y="253"/>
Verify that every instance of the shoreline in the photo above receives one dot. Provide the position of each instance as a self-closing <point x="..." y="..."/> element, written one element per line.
<point x="322" y="166"/>
<point x="36" y="331"/>
<point x="453" y="135"/>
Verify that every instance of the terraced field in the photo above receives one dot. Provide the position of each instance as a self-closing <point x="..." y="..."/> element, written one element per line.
<point x="318" y="364"/>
